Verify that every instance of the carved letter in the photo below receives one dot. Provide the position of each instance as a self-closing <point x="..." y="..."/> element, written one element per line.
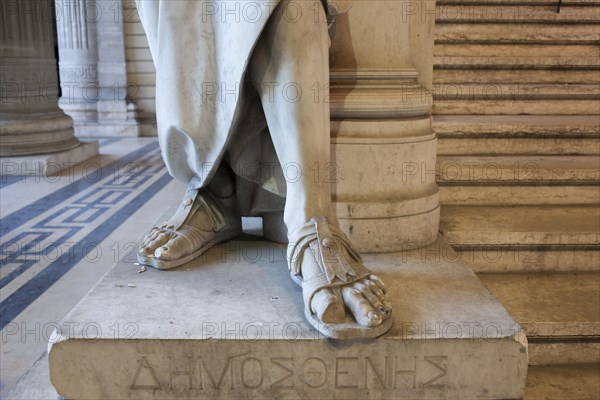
<point x="412" y="372"/>
<point x="243" y="373"/>
<point x="380" y="377"/>
<point x="228" y="370"/>
<point x="186" y="374"/>
<point x="290" y="371"/>
<point x="339" y="372"/>
<point x="321" y="370"/>
<point x="441" y="366"/>
<point x="145" y="378"/>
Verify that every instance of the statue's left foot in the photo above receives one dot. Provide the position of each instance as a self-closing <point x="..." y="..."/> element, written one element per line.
<point x="342" y="298"/>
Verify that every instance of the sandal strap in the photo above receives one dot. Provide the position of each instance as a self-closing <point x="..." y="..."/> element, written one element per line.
<point x="330" y="241"/>
<point x="195" y="237"/>
<point x="328" y="245"/>
<point x="191" y="202"/>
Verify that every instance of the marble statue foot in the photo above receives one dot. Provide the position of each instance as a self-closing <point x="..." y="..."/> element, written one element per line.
<point x="342" y="298"/>
<point x="201" y="221"/>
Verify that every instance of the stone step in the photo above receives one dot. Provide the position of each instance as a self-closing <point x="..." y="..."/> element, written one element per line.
<point x="535" y="126"/>
<point x="523" y="195"/>
<point x="515" y="14"/>
<point x="517" y="171"/>
<point x="517" y="134"/>
<point x="527" y="226"/>
<point x="142" y="78"/>
<point x="137" y="40"/>
<point x="524" y="238"/>
<point x="515" y="76"/>
<point x="564" y="381"/>
<point x="517" y="106"/>
<point x="517" y="33"/>
<point x="141" y="67"/>
<point x="517" y="145"/>
<point x="515" y="92"/>
<point x="132" y="26"/>
<point x="518" y="180"/>
<point x="138" y="53"/>
<point x="516" y="63"/>
<point x="582" y="3"/>
<point x="516" y="50"/>
<point x="559" y="312"/>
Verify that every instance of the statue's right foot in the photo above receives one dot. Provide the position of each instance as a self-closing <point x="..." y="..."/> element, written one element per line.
<point x="201" y="221"/>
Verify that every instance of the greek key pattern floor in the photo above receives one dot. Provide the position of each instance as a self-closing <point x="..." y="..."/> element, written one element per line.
<point x="59" y="234"/>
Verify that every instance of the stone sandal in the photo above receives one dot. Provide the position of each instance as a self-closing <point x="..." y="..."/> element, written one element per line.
<point x="325" y="243"/>
<point x="224" y="227"/>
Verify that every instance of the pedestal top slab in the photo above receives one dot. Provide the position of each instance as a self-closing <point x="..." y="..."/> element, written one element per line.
<point x="231" y="325"/>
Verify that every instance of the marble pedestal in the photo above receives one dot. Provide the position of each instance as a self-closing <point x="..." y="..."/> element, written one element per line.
<point x="231" y="325"/>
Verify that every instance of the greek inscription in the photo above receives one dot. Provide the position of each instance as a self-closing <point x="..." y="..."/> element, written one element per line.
<point x="280" y="383"/>
<point x="399" y="374"/>
<point x="181" y="379"/>
<point x="246" y="371"/>
<point x="440" y="364"/>
<point x="346" y="371"/>
<point x="193" y="375"/>
<point x="227" y="371"/>
<point x="314" y="373"/>
<point x="145" y="377"/>
<point x="379" y="375"/>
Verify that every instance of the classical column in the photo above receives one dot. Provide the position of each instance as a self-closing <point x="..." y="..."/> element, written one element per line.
<point x="383" y="145"/>
<point x="30" y="120"/>
<point x="78" y="59"/>
<point x="92" y="68"/>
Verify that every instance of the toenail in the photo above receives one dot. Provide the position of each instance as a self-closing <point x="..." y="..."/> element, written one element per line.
<point x="372" y="315"/>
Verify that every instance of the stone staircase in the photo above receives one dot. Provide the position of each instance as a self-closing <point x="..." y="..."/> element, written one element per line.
<point x="516" y="111"/>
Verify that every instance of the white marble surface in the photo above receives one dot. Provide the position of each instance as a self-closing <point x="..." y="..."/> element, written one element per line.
<point x="46" y="165"/>
<point x="158" y="334"/>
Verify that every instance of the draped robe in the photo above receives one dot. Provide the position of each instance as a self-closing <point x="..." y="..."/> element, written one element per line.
<point x="204" y="104"/>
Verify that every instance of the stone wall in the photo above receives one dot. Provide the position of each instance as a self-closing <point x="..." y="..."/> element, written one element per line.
<point x="141" y="73"/>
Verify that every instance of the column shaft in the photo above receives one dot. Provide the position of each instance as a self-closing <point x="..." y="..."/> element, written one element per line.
<point x="31" y="121"/>
<point x="381" y="61"/>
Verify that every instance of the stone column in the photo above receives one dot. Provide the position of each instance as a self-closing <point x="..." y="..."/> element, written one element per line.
<point x="383" y="144"/>
<point x="92" y="68"/>
<point x="78" y="59"/>
<point x="31" y="122"/>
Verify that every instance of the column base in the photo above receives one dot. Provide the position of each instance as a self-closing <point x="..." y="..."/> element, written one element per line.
<point x="383" y="182"/>
<point x="103" y="118"/>
<point x="381" y="227"/>
<point x="105" y="129"/>
<point x="48" y="164"/>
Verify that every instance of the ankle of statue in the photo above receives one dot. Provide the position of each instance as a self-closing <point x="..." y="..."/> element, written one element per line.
<point x="317" y="228"/>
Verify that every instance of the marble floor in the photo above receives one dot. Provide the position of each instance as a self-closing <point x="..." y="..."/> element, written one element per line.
<point x="60" y="234"/>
